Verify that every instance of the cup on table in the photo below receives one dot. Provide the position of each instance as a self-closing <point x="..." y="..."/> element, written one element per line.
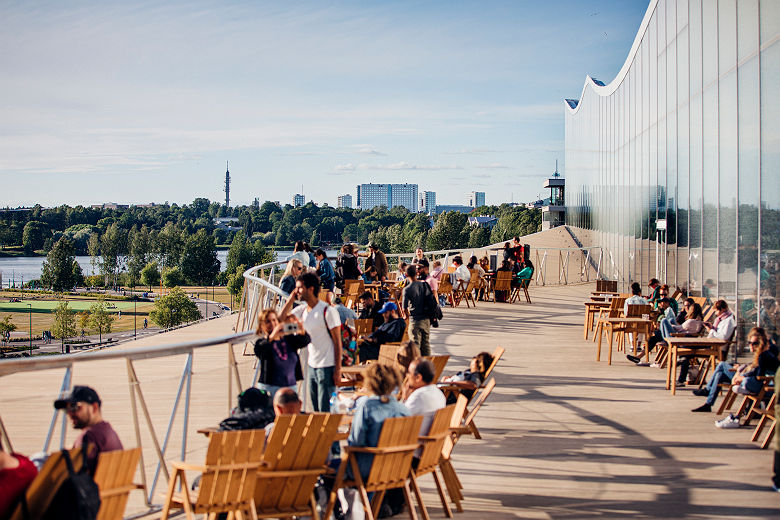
<point x="645" y="316"/>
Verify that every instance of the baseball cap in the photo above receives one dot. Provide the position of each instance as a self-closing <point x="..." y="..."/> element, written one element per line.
<point x="79" y="394"/>
<point x="388" y="306"/>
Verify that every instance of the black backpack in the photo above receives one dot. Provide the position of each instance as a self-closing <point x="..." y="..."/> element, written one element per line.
<point x="78" y="498"/>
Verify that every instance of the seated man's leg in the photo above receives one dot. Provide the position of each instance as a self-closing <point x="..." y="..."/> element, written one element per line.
<point x="721" y="375"/>
<point x="667" y="327"/>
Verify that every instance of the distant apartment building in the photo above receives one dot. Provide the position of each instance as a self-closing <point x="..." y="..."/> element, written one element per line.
<point x="345" y="201"/>
<point x="441" y="208"/>
<point x="391" y="195"/>
<point x="486" y="221"/>
<point x="110" y="205"/>
<point x="299" y="200"/>
<point x="476" y="199"/>
<point x="428" y="202"/>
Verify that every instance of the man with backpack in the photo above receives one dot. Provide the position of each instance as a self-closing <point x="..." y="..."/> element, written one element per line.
<point x="419" y="303"/>
<point x="83" y="408"/>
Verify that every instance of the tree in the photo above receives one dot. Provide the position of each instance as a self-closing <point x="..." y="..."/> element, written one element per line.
<point x="84" y="321"/>
<point x="112" y="245"/>
<point x="6" y="327"/>
<point x="64" y="323"/>
<point x="34" y="235"/>
<point x="59" y="268"/>
<point x="235" y="283"/>
<point x="172" y="277"/>
<point x="99" y="318"/>
<point x="479" y="237"/>
<point x="174" y="309"/>
<point x="199" y="264"/>
<point x="451" y="231"/>
<point x="150" y="275"/>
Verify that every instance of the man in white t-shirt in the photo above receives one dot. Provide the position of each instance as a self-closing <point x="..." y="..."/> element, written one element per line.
<point x="426" y="397"/>
<point x="323" y="324"/>
<point x="462" y="273"/>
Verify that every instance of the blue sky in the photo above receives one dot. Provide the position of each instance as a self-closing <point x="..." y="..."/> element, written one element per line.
<point x="144" y="102"/>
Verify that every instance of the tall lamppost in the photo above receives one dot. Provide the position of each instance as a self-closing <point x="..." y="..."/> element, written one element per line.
<point x="135" y="316"/>
<point x="29" y="306"/>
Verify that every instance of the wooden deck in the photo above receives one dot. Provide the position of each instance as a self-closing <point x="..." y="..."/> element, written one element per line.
<point x="563" y="436"/>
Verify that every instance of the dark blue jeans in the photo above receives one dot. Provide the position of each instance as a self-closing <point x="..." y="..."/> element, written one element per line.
<point x="321" y="387"/>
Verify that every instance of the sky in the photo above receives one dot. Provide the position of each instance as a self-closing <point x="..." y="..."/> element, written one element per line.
<point x="137" y="102"/>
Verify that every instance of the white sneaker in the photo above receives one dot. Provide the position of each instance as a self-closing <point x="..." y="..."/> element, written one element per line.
<point x="732" y="421"/>
<point x="655" y="365"/>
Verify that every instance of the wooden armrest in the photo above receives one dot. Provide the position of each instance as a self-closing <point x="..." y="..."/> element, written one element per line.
<point x="381" y="451"/>
<point x="180" y="464"/>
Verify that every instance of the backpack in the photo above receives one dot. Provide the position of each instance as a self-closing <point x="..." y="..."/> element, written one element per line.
<point x="432" y="309"/>
<point x="78" y="498"/>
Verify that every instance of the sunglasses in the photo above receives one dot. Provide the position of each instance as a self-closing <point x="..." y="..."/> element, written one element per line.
<point x="754" y="343"/>
<point x="73" y="408"/>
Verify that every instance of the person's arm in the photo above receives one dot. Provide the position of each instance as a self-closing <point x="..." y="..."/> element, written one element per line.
<point x="335" y="335"/>
<point x="287" y="309"/>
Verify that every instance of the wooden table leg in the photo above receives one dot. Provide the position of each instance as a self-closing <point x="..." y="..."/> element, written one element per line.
<point x="611" y="335"/>
<point x="600" y="330"/>
<point x="647" y="350"/>
<point x="673" y="364"/>
<point x="668" y="366"/>
<point x="588" y="318"/>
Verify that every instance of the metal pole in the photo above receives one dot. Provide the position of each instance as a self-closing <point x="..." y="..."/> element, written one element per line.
<point x="63" y="388"/>
<point x="29" y="305"/>
<point x="135" y="316"/>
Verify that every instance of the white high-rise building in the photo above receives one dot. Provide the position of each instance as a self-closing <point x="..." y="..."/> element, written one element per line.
<point x="345" y="201"/>
<point x="428" y="202"/>
<point x="299" y="200"/>
<point x="391" y="195"/>
<point x="476" y="199"/>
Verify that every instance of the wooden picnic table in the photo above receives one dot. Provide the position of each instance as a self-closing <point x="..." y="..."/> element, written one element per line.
<point x="635" y="326"/>
<point x="591" y="309"/>
<point x="709" y="346"/>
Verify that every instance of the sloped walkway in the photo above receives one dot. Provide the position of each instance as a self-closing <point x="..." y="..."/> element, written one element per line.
<point x="563" y="436"/>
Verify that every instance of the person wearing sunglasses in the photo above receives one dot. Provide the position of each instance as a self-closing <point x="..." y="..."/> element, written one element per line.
<point x="83" y="407"/>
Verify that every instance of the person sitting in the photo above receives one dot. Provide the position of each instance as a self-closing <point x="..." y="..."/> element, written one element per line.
<point x="635" y="299"/>
<point x="392" y="330"/>
<point x="347" y="264"/>
<point x="370" y="310"/>
<point x="506" y="265"/>
<point x="655" y="290"/>
<point x="371" y="411"/>
<point x="16" y="474"/>
<point x="664" y="330"/>
<point x="83" y="406"/>
<point x="299" y="253"/>
<point x="691" y="317"/>
<point x="286" y="402"/>
<point x="526" y="271"/>
<point x="291" y="272"/>
<point x="664" y="293"/>
<point x="462" y="275"/>
<point x="424" y="397"/>
<point x="407" y="352"/>
<point x="277" y="351"/>
<point x="400" y="274"/>
<point x="434" y="277"/>
<point x="369" y="276"/>
<point x="764" y="361"/>
<point x="467" y="381"/>
<point x="325" y="271"/>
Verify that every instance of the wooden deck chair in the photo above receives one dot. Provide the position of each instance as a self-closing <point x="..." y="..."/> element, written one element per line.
<point x="114" y="476"/>
<point x="295" y="456"/>
<point x="767" y="418"/>
<point x="497" y="353"/>
<point x="451" y="480"/>
<point x="228" y="478"/>
<point x="388" y="353"/>
<point x="325" y="295"/>
<point x="677" y="295"/>
<point x="464" y="291"/>
<point x="445" y="287"/>
<point x="751" y="402"/>
<point x="439" y="362"/>
<point x="353" y="289"/>
<point x="522" y="286"/>
<point x="364" y="327"/>
<point x="701" y="300"/>
<point x="634" y="311"/>
<point x="503" y="284"/>
<point x="468" y="422"/>
<point x="390" y="468"/>
<point x="44" y="486"/>
<point x="614" y="310"/>
<point x="432" y="444"/>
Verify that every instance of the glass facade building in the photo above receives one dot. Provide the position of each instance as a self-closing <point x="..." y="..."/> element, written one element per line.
<point x="673" y="168"/>
<point x="390" y="195"/>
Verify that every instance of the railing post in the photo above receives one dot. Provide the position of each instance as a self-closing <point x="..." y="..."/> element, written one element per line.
<point x="63" y="388"/>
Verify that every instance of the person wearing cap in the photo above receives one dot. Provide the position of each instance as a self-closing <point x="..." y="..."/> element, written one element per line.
<point x="371" y="309"/>
<point x="83" y="406"/>
<point x="392" y="330"/>
<point x="379" y="261"/>
<point x="414" y="298"/>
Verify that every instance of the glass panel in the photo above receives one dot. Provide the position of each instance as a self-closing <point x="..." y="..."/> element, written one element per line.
<point x="769" y="316"/>
<point x="695" y="166"/>
<point x="710" y="149"/>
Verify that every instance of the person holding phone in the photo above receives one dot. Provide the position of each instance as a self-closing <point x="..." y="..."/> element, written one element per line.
<point x="277" y="351"/>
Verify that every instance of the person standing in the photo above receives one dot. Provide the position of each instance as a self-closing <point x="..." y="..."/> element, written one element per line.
<point x="415" y="299"/>
<point x="379" y="261"/>
<point x="323" y="324"/>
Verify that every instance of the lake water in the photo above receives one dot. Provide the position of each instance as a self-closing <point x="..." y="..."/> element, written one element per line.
<point x="26" y="268"/>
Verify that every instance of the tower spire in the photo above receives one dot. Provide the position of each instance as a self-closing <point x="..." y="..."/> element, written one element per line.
<point x="227" y="184"/>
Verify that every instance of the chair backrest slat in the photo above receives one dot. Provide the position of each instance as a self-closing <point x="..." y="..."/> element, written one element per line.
<point x="220" y="486"/>
<point x="388" y="353"/>
<point x="439" y="362"/>
<point x="114" y="476"/>
<point x="364" y="327"/>
<point x="431" y="450"/>
<point x="390" y="470"/>
<point x="636" y="311"/>
<point x="455" y="421"/>
<point x="483" y="395"/>
<point x="496" y="357"/>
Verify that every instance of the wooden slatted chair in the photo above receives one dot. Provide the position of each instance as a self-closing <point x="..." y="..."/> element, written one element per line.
<point x="439" y="362"/>
<point x="503" y="284"/>
<point x="390" y="469"/>
<point x="445" y="287"/>
<point x="451" y="480"/>
<point x="43" y="488"/>
<point x="228" y="478"/>
<point x="295" y="456"/>
<point x="464" y="291"/>
<point x="388" y="353"/>
<point x="114" y="476"/>
<point x="767" y="418"/>
<point x="364" y="327"/>
<point x="634" y="311"/>
<point x="606" y="285"/>
<point x="522" y="286"/>
<point x="325" y="295"/>
<point x="469" y="426"/>
<point x="430" y="455"/>
<point x="614" y="310"/>
<point x="353" y="289"/>
<point x="497" y="353"/>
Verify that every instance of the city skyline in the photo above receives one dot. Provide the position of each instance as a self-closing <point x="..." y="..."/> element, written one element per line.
<point x="113" y="102"/>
